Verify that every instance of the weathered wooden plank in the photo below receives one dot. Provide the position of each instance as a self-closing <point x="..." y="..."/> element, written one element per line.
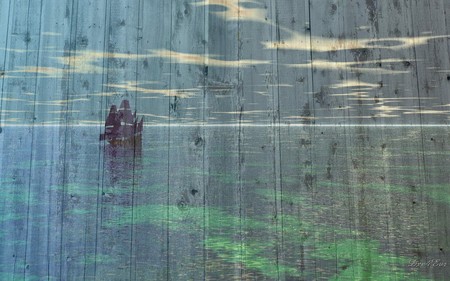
<point x="186" y="188"/>
<point x="24" y="39"/>
<point x="5" y="10"/>
<point x="362" y="22"/>
<point x="236" y="201"/>
<point x="325" y="24"/>
<point x="428" y="19"/>
<point x="44" y="236"/>
<point x="121" y="36"/>
<point x="4" y="30"/>
<point x="326" y="65"/>
<point x="398" y="95"/>
<point x="152" y="101"/>
<point x="222" y="145"/>
<point x="295" y="165"/>
<point x="260" y="93"/>
<point x="432" y="83"/>
<point x="76" y="33"/>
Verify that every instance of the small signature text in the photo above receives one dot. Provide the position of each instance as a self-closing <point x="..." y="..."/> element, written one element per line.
<point x="427" y="263"/>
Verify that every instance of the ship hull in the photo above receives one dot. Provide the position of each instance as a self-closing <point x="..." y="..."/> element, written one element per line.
<point x="130" y="141"/>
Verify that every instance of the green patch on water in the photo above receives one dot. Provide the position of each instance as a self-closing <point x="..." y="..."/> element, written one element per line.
<point x="225" y="178"/>
<point x="357" y="258"/>
<point x="74" y="189"/>
<point x="19" y="214"/>
<point x="251" y="255"/>
<point x="296" y="230"/>
<point x="7" y="181"/>
<point x="362" y="260"/>
<point x="259" y="165"/>
<point x="182" y="218"/>
<point x="254" y="243"/>
<point x="89" y="190"/>
<point x="11" y="216"/>
<point x="221" y="227"/>
<point x="79" y="212"/>
<point x="19" y="276"/>
<point x="16" y="194"/>
<point x="174" y="217"/>
<point x="386" y="187"/>
<point x="193" y="171"/>
<point x="286" y="197"/>
<point x="98" y="259"/>
<point x="13" y="244"/>
<point x="306" y="220"/>
<point x="439" y="192"/>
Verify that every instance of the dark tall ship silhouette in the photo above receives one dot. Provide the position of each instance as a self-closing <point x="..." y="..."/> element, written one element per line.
<point x="122" y="126"/>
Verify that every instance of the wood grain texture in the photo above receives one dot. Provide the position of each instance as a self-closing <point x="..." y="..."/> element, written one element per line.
<point x="275" y="131"/>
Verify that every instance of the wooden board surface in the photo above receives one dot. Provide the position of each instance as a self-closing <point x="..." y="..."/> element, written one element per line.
<point x="275" y="131"/>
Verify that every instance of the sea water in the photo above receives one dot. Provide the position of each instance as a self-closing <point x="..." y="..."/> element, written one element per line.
<point x="225" y="203"/>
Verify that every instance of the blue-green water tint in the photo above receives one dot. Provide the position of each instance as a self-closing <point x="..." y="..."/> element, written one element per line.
<point x="311" y="210"/>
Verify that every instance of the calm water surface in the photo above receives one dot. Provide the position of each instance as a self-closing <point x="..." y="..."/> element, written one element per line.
<point x="223" y="203"/>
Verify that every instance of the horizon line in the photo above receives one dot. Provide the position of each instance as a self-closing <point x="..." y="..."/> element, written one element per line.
<point x="233" y="125"/>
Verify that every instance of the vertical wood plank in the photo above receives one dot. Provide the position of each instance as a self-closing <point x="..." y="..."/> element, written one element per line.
<point x="152" y="102"/>
<point x="295" y="144"/>
<point x="23" y="36"/>
<point x="432" y="63"/>
<point x="121" y="165"/>
<point x="222" y="144"/>
<point x="5" y="10"/>
<point x="44" y="236"/>
<point x="259" y="146"/>
<point x="87" y="67"/>
<point x="277" y="131"/>
<point x="325" y="22"/>
<point x="186" y="189"/>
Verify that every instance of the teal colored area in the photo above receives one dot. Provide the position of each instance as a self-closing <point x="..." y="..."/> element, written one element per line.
<point x="361" y="259"/>
<point x="20" y="276"/>
<point x="224" y="220"/>
<point x="93" y="259"/>
<point x="254" y="243"/>
<point x="251" y="255"/>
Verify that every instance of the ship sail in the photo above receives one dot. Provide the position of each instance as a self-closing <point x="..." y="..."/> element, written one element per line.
<point x="121" y="125"/>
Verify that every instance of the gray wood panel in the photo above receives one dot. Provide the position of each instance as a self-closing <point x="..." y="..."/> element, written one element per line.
<point x="44" y="252"/>
<point x="186" y="157"/>
<point x="295" y="100"/>
<point x="152" y="101"/>
<point x="284" y="140"/>
<point x="223" y="174"/>
<point x="81" y="236"/>
<point x="23" y="36"/>
<point x="119" y="25"/>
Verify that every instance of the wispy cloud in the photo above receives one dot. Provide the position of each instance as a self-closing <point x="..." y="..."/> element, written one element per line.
<point x="49" y="33"/>
<point x="207" y="60"/>
<point x="363" y="67"/>
<point x="305" y="42"/>
<point x="361" y="85"/>
<point x="234" y="10"/>
<point x="132" y="86"/>
<point x="59" y="102"/>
